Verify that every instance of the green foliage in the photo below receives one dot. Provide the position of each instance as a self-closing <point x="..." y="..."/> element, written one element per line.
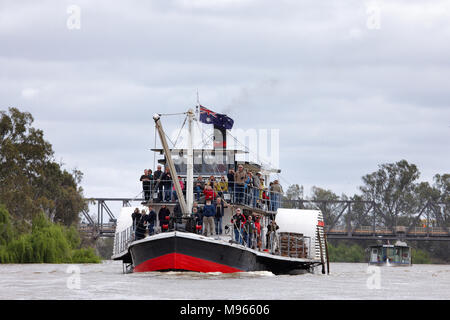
<point x="6" y="232"/>
<point x="85" y="255"/>
<point x="420" y="256"/>
<point x="346" y="253"/>
<point x="47" y="243"/>
<point x="399" y="197"/>
<point x="31" y="181"/>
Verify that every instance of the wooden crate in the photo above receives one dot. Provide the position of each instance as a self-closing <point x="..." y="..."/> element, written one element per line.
<point x="292" y="245"/>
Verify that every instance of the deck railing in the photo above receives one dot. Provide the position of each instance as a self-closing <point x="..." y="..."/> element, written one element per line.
<point x="257" y="198"/>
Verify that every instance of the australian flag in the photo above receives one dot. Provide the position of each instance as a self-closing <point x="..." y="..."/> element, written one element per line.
<point x="217" y="119"/>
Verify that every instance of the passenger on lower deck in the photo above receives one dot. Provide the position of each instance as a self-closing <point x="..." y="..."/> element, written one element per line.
<point x="139" y="221"/>
<point x="220" y="212"/>
<point x="209" y="212"/>
<point x="249" y="231"/>
<point x="151" y="220"/>
<point x="164" y="218"/>
<point x="196" y="220"/>
<point x="238" y="221"/>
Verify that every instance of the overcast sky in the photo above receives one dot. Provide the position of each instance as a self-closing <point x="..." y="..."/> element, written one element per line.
<point x="348" y="84"/>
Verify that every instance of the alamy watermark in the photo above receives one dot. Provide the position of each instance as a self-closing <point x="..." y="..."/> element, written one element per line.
<point x="74" y="19"/>
<point x="257" y="145"/>
<point x="374" y="280"/>
<point x="373" y="11"/>
<point x="74" y="280"/>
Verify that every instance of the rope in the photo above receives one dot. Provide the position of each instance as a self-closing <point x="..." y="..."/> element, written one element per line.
<point x="179" y="132"/>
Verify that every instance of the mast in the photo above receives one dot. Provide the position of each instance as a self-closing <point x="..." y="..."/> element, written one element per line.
<point x="172" y="169"/>
<point x="190" y="164"/>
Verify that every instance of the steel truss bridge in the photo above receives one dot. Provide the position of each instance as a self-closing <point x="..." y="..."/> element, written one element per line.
<point x="361" y="220"/>
<point x="344" y="219"/>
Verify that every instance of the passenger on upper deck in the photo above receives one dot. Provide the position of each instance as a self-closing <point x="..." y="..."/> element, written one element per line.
<point x="166" y="180"/>
<point x="158" y="184"/>
<point x="151" y="178"/>
<point x="276" y="191"/>
<point x="256" y="188"/>
<point x="174" y="192"/>
<point x="145" y="184"/>
<point x="265" y="199"/>
<point x="199" y="185"/>
<point x="230" y="177"/>
<point x="248" y="186"/>
<point x="210" y="194"/>
<point x="213" y="182"/>
<point x="221" y="186"/>
<point x="239" y="181"/>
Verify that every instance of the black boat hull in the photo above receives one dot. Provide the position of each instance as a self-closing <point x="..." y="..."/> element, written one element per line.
<point x="197" y="253"/>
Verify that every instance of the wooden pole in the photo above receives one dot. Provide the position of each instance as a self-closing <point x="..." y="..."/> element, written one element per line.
<point x="326" y="251"/>
<point x="173" y="172"/>
<point x="321" y="253"/>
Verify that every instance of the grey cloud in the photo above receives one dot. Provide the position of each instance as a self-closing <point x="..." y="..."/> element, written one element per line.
<point x="344" y="97"/>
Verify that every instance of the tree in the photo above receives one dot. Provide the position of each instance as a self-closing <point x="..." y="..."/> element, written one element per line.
<point x="294" y="192"/>
<point x="330" y="209"/>
<point x="30" y="180"/>
<point x="393" y="188"/>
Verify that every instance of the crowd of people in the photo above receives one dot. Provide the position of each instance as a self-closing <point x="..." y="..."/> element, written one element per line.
<point x="240" y="187"/>
<point x="205" y="220"/>
<point x="212" y="196"/>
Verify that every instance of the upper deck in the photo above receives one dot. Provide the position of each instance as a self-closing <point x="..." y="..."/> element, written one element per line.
<point x="214" y="166"/>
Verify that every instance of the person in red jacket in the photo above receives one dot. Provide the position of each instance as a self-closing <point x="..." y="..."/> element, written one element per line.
<point x="258" y="232"/>
<point x="209" y="193"/>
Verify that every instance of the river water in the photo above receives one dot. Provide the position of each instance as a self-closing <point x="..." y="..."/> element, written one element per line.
<point x="106" y="281"/>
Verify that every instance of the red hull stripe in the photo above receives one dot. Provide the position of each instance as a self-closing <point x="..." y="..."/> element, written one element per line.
<point x="178" y="261"/>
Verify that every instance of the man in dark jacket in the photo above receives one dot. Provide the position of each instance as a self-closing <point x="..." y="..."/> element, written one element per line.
<point x="220" y="207"/>
<point x="196" y="220"/>
<point x="146" y="185"/>
<point x="151" y="220"/>
<point x="249" y="228"/>
<point x="164" y="218"/>
<point x="230" y="178"/>
<point x="238" y="222"/>
<point x="272" y="228"/>
<point x="209" y="212"/>
<point x="166" y="180"/>
<point x="139" y="222"/>
<point x="158" y="184"/>
<point x="136" y="217"/>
